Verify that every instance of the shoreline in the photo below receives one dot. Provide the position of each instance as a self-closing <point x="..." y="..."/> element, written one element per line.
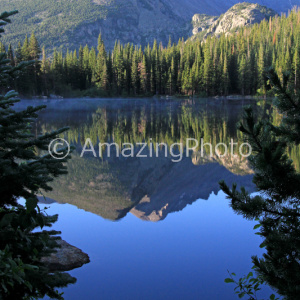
<point x="158" y="97"/>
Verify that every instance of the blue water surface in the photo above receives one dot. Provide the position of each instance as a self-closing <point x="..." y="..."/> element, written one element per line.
<point x="184" y="257"/>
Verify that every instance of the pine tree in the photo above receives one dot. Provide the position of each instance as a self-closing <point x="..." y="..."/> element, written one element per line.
<point x="104" y="77"/>
<point x="34" y="48"/>
<point x="44" y="71"/>
<point x="225" y="77"/>
<point x="152" y="81"/>
<point x="261" y="68"/>
<point x="23" y="173"/>
<point x="33" y="72"/>
<point x="101" y="46"/>
<point x="10" y="55"/>
<point x="143" y="75"/>
<point x="18" y="51"/>
<point x="24" y="81"/>
<point x="208" y="70"/>
<point x="296" y="67"/>
<point x="135" y="76"/>
<point x="244" y="75"/>
<point x="277" y="207"/>
<point x="25" y="50"/>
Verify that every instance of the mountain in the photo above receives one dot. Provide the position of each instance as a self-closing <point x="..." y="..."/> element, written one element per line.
<point x="149" y="188"/>
<point x="202" y="22"/>
<point x="240" y="15"/>
<point x="68" y="23"/>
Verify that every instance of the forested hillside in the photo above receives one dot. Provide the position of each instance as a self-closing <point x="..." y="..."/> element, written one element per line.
<point x="232" y="64"/>
<point x="68" y="23"/>
<point x="52" y="21"/>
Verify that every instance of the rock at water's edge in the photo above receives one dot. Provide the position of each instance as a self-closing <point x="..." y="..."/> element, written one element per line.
<point x="66" y="258"/>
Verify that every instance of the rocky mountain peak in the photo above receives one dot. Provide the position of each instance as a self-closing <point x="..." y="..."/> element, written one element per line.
<point x="240" y="15"/>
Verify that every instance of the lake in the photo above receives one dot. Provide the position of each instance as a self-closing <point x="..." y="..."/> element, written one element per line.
<point x="153" y="228"/>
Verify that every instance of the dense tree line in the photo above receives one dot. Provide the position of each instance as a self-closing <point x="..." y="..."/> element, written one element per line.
<point x="230" y="64"/>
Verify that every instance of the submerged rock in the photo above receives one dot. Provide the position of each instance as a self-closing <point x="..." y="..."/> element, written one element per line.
<point x="66" y="258"/>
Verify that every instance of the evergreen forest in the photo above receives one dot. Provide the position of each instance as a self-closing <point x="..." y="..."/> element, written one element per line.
<point x="231" y="64"/>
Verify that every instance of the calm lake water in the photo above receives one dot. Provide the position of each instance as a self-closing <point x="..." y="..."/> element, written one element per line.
<point x="153" y="229"/>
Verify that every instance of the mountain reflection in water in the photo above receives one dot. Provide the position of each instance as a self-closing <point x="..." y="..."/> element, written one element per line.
<point x="149" y="188"/>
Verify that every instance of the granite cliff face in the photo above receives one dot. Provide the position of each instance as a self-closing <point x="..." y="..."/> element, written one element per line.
<point x="67" y="23"/>
<point x="240" y="15"/>
<point x="202" y="22"/>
